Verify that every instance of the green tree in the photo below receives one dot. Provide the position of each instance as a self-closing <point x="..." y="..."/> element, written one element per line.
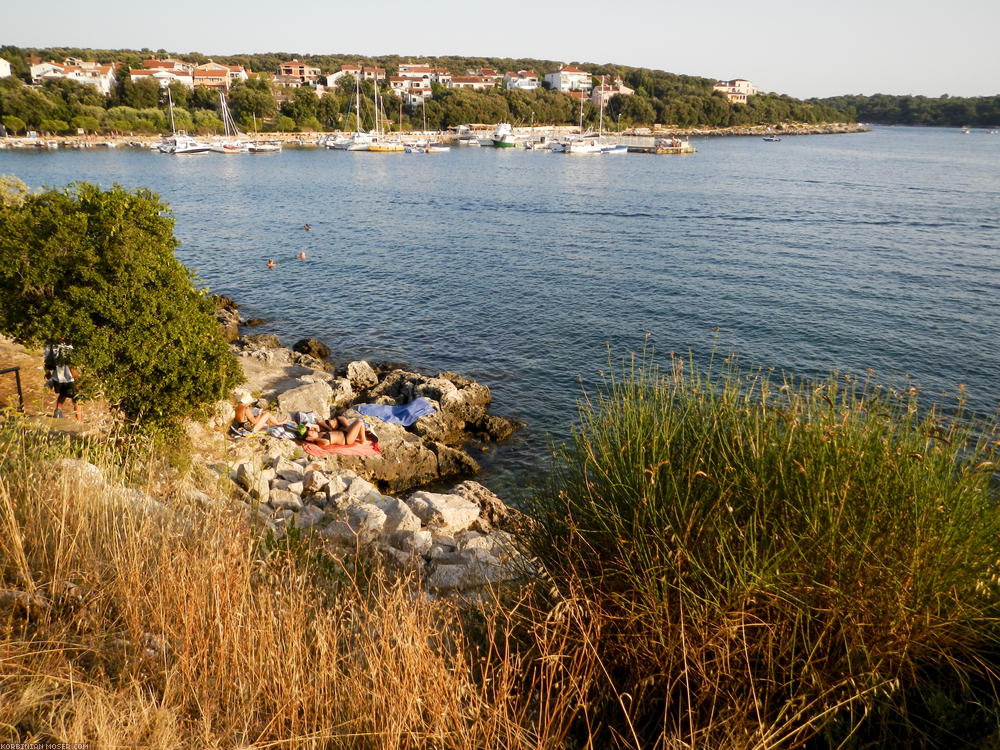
<point x="98" y="267"/>
<point x="53" y="126"/>
<point x="14" y="124"/>
<point x="86" y="123"/>
<point x="284" y="124"/>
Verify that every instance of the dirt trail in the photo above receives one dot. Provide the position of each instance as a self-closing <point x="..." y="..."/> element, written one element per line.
<point x="39" y="401"/>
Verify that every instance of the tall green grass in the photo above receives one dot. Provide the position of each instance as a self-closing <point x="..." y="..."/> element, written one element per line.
<point x="768" y="564"/>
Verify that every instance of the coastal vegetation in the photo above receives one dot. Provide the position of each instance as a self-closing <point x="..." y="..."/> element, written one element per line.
<point x="141" y="107"/>
<point x="721" y="561"/>
<point x="886" y="109"/>
<point x="98" y="268"/>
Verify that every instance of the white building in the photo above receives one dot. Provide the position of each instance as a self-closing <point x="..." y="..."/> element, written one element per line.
<point x="163" y="76"/>
<point x="568" y="78"/>
<point x="4" y="68"/>
<point x="477" y="83"/>
<point x="523" y="80"/>
<point x="82" y="71"/>
<point x="736" y="90"/>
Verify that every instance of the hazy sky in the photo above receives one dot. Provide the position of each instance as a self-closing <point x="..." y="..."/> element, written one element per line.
<point x="796" y="47"/>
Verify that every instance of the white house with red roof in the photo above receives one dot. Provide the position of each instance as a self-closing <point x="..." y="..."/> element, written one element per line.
<point x="88" y="72"/>
<point x="568" y="78"/>
<point x="477" y="83"/>
<point x="214" y="75"/>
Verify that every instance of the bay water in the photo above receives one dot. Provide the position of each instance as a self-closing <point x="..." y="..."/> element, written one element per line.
<point x="530" y="271"/>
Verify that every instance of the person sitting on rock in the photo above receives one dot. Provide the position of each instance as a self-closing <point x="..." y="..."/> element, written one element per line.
<point x="336" y="431"/>
<point x="251" y="418"/>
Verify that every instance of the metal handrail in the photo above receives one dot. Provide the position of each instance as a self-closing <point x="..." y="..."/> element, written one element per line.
<point x="17" y="377"/>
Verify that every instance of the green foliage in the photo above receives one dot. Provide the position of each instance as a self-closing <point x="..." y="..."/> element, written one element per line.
<point x="982" y="111"/>
<point x="98" y="267"/>
<point x="284" y="124"/>
<point x="14" y="124"/>
<point x="13" y="192"/>
<point x="769" y="565"/>
<point x="660" y="97"/>
<point x="53" y="127"/>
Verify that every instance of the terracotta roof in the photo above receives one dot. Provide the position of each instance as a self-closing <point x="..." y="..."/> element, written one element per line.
<point x="571" y="69"/>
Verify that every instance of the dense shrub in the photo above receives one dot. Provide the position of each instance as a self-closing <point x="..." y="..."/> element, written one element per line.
<point x="98" y="267"/>
<point x="809" y="564"/>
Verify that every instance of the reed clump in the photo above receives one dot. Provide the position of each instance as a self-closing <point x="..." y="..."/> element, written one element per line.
<point x="128" y="620"/>
<point x="769" y="565"/>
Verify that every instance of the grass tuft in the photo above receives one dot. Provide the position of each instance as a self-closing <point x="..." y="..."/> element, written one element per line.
<point x="775" y="564"/>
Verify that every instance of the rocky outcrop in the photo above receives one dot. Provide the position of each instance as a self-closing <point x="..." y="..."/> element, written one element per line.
<point x="312" y="347"/>
<point x="430" y="450"/>
<point x="228" y="315"/>
<point x="456" y="542"/>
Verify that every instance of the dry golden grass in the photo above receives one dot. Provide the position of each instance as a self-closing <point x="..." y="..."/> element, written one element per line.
<point x="177" y="627"/>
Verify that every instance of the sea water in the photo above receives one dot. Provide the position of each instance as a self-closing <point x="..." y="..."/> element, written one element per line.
<point x="530" y="271"/>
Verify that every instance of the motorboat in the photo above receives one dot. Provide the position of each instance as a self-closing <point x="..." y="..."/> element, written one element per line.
<point x="588" y="145"/>
<point x="772" y="138"/>
<point x="182" y="143"/>
<point x="503" y="136"/>
<point x="263" y="147"/>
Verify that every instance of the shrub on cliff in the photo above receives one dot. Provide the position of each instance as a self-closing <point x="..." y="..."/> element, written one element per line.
<point x="98" y="267"/>
<point x="761" y="566"/>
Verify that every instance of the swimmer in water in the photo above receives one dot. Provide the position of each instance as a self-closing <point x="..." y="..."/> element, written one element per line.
<point x="302" y="255"/>
<point x="306" y="227"/>
<point x="271" y="263"/>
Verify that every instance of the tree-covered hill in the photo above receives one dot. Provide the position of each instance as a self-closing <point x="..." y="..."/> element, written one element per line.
<point x="660" y="97"/>
<point x="887" y="109"/>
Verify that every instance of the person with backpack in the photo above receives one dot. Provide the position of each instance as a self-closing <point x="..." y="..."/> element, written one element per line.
<point x="61" y="376"/>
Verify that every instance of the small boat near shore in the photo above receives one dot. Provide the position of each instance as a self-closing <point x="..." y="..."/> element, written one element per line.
<point x="772" y="138"/>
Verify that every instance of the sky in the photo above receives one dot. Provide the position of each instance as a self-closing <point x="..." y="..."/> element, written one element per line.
<point x="798" y="47"/>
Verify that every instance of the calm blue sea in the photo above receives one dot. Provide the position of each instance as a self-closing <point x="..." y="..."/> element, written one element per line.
<point x="527" y="270"/>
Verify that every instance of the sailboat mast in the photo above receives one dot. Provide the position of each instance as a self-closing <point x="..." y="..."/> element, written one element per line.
<point x="357" y="97"/>
<point x="600" y="128"/>
<point x="170" y="100"/>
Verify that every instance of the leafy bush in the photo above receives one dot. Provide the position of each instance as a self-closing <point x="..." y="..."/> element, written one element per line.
<point x="98" y="267"/>
<point x="775" y="566"/>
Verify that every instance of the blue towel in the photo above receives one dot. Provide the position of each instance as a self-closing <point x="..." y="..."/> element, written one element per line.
<point x="404" y="415"/>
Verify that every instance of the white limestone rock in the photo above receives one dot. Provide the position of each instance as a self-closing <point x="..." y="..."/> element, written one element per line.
<point x="285" y="499"/>
<point x="314" y="481"/>
<point x="416" y="542"/>
<point x="361" y="375"/>
<point x="446" y="513"/>
<point x="308" y="517"/>
<point x="80" y="472"/>
<point x="311" y="397"/>
<point x="399" y="517"/>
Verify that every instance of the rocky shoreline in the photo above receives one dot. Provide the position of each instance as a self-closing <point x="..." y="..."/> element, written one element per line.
<point x="457" y="541"/>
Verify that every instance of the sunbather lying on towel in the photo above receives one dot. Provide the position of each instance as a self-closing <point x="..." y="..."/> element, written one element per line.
<point x="336" y="431"/>
<point x="253" y="419"/>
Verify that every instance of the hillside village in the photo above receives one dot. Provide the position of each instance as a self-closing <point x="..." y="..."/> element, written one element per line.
<point x="413" y="81"/>
<point x="73" y="92"/>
